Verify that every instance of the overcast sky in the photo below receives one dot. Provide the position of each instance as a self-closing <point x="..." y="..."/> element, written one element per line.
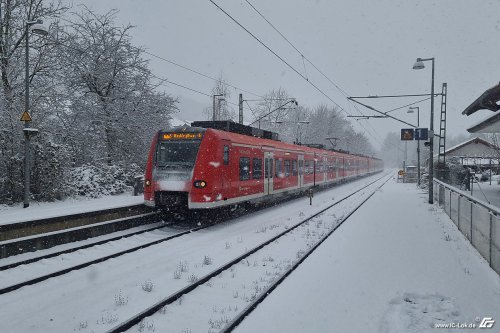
<point x="365" y="47"/>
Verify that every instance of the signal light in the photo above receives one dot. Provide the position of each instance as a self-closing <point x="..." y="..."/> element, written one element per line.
<point x="200" y="184"/>
<point x="148" y="182"/>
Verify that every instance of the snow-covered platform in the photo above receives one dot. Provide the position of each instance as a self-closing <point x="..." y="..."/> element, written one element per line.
<point x="397" y="265"/>
<point x="37" y="210"/>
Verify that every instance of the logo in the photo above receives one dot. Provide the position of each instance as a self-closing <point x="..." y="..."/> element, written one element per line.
<point x="487" y="322"/>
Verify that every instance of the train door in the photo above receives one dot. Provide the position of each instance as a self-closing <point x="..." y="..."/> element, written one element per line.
<point x="226" y="170"/>
<point x="325" y="169"/>
<point x="301" y="171"/>
<point x="268" y="172"/>
<point x="337" y="167"/>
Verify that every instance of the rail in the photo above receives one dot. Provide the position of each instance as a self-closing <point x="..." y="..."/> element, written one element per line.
<point x="478" y="221"/>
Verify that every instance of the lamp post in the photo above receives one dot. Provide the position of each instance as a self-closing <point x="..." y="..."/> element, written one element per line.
<point x="411" y="110"/>
<point x="37" y="28"/>
<point x="419" y="64"/>
<point x="214" y="112"/>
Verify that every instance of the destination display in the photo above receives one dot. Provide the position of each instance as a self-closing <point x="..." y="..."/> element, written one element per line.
<point x="181" y="136"/>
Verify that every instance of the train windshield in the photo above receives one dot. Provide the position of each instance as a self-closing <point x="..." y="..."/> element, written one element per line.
<point x="175" y="154"/>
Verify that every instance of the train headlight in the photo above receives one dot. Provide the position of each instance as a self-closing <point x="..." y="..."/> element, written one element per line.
<point x="200" y="184"/>
<point x="148" y="182"/>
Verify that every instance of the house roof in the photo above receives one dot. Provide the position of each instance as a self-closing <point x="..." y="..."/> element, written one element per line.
<point x="489" y="125"/>
<point x="475" y="140"/>
<point x="488" y="100"/>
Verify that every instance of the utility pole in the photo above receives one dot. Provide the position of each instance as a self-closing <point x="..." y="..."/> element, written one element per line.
<point x="214" y="110"/>
<point x="240" y="104"/>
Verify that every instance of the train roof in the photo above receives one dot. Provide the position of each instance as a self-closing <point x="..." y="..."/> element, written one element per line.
<point x="231" y="126"/>
<point x="253" y="136"/>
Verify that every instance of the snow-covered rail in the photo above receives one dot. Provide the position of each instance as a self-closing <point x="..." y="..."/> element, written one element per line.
<point x="283" y="240"/>
<point x="40" y="278"/>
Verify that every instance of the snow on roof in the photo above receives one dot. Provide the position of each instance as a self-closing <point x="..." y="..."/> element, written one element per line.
<point x="473" y="140"/>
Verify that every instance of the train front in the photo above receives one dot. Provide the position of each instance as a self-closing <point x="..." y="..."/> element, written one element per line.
<point x="169" y="170"/>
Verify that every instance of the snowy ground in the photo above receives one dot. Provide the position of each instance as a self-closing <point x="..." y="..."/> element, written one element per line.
<point x="397" y="265"/>
<point x="40" y="210"/>
<point x="487" y="193"/>
<point x="97" y="297"/>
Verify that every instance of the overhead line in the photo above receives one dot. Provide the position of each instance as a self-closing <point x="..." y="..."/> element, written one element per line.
<point x="198" y="73"/>
<point x="181" y="66"/>
<point x="342" y="91"/>
<point x="276" y="55"/>
<point x="401" y="107"/>
<point x="394" y="96"/>
<point x="372" y="108"/>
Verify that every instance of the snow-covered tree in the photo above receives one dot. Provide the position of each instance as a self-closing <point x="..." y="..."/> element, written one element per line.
<point x="14" y="16"/>
<point x="111" y="90"/>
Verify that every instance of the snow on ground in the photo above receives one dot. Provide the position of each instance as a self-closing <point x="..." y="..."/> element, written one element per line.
<point x="97" y="297"/>
<point x="488" y="193"/>
<point x="398" y="265"/>
<point x="40" y="210"/>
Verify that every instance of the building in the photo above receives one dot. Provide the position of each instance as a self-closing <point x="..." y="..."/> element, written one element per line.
<point x="474" y="152"/>
<point x="488" y="101"/>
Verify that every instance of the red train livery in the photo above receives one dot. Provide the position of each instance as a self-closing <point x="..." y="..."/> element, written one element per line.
<point x="200" y="168"/>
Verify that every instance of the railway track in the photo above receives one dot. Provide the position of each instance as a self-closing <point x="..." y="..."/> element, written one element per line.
<point x="259" y="294"/>
<point x="44" y="277"/>
<point x="152" y="259"/>
<point x="157" y="226"/>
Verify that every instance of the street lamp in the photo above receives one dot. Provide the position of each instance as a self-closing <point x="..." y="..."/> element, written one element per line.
<point x="419" y="64"/>
<point x="37" y="28"/>
<point x="412" y="110"/>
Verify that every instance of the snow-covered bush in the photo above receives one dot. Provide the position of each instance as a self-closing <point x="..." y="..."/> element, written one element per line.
<point x="93" y="181"/>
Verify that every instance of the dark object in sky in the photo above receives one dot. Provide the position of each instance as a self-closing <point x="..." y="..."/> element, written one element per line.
<point x="488" y="100"/>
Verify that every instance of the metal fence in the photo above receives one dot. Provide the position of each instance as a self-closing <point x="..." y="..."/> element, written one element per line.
<point x="477" y="220"/>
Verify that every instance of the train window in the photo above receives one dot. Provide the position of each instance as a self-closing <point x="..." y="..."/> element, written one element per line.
<point x="294" y="168"/>
<point x="287" y="168"/>
<point x="175" y="154"/>
<point x="244" y="168"/>
<point x="226" y="155"/>
<point x="306" y="167"/>
<point x="301" y="167"/>
<point x="278" y="171"/>
<point x="257" y="168"/>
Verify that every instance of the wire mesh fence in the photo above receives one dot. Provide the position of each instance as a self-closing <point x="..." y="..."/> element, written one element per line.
<point x="478" y="221"/>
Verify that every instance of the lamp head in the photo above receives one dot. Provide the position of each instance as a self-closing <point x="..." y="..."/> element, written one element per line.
<point x="39" y="28"/>
<point x="419" y="64"/>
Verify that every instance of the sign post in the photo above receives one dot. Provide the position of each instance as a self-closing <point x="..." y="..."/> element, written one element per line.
<point x="28" y="133"/>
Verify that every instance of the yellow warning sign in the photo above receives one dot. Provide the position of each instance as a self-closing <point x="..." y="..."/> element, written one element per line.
<point x="26" y="116"/>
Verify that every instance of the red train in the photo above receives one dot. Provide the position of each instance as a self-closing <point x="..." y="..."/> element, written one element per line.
<point x="215" y="164"/>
